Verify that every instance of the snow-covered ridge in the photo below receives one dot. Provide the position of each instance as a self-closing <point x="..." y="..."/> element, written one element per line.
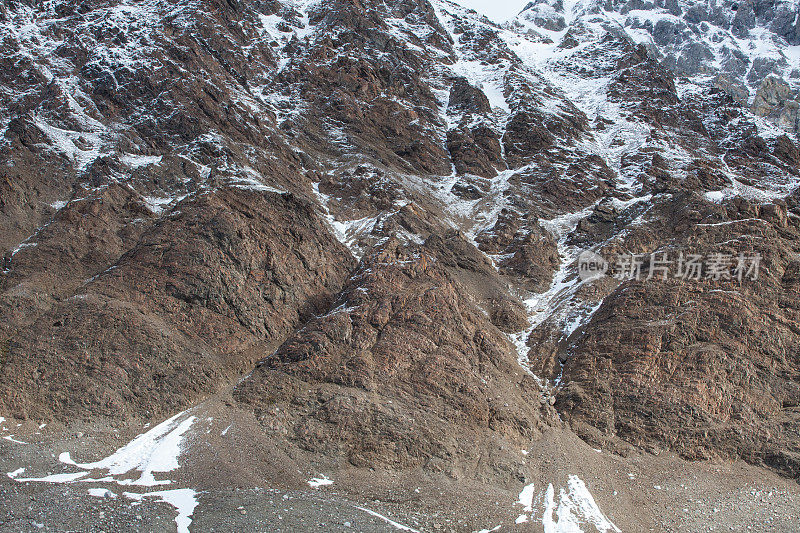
<point x="731" y="45"/>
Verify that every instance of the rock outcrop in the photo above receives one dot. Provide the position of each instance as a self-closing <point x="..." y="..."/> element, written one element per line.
<point x="364" y="219"/>
<point x="177" y="316"/>
<point x="402" y="372"/>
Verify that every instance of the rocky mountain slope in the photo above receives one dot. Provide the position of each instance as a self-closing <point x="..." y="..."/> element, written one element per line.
<point x="749" y="49"/>
<point x="352" y="229"/>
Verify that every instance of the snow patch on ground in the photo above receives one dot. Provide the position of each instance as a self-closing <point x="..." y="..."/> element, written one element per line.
<point x="526" y="498"/>
<point x="715" y="196"/>
<point x="157" y="205"/>
<point x="183" y="500"/>
<point x="570" y="512"/>
<point x="52" y="478"/>
<point x="389" y="521"/>
<point x="489" y="80"/>
<point x="574" y="508"/>
<point x="156" y="451"/>
<point x="70" y="142"/>
<point x="321" y="481"/>
<point x="101" y="493"/>
<point x="253" y="183"/>
<point x="348" y="231"/>
<point x="136" y="161"/>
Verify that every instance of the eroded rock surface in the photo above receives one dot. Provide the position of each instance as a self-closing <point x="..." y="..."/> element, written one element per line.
<point x="364" y="218"/>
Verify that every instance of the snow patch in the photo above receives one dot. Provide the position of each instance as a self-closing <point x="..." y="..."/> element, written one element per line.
<point x="389" y="521"/>
<point x="136" y="161"/>
<point x="53" y="478"/>
<point x="16" y="473"/>
<point x="575" y="507"/>
<point x="183" y="500"/>
<point x="156" y="451"/>
<point x="101" y="493"/>
<point x="715" y="196"/>
<point x="157" y="205"/>
<point x="321" y="481"/>
<point x="526" y="498"/>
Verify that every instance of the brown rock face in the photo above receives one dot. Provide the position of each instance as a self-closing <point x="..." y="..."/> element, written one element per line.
<point x="27" y="183"/>
<point x="175" y="317"/>
<point x="84" y="238"/>
<point x="475" y="151"/>
<point x="527" y="253"/>
<point x="150" y="260"/>
<point x="464" y="98"/>
<point x="367" y="86"/>
<point x="401" y="372"/>
<point x="706" y="368"/>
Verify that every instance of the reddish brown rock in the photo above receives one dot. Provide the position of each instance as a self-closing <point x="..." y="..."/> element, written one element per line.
<point x="475" y="152"/>
<point x="706" y="368"/>
<point x="402" y="372"/>
<point x="177" y="316"/>
<point x="525" y="251"/>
